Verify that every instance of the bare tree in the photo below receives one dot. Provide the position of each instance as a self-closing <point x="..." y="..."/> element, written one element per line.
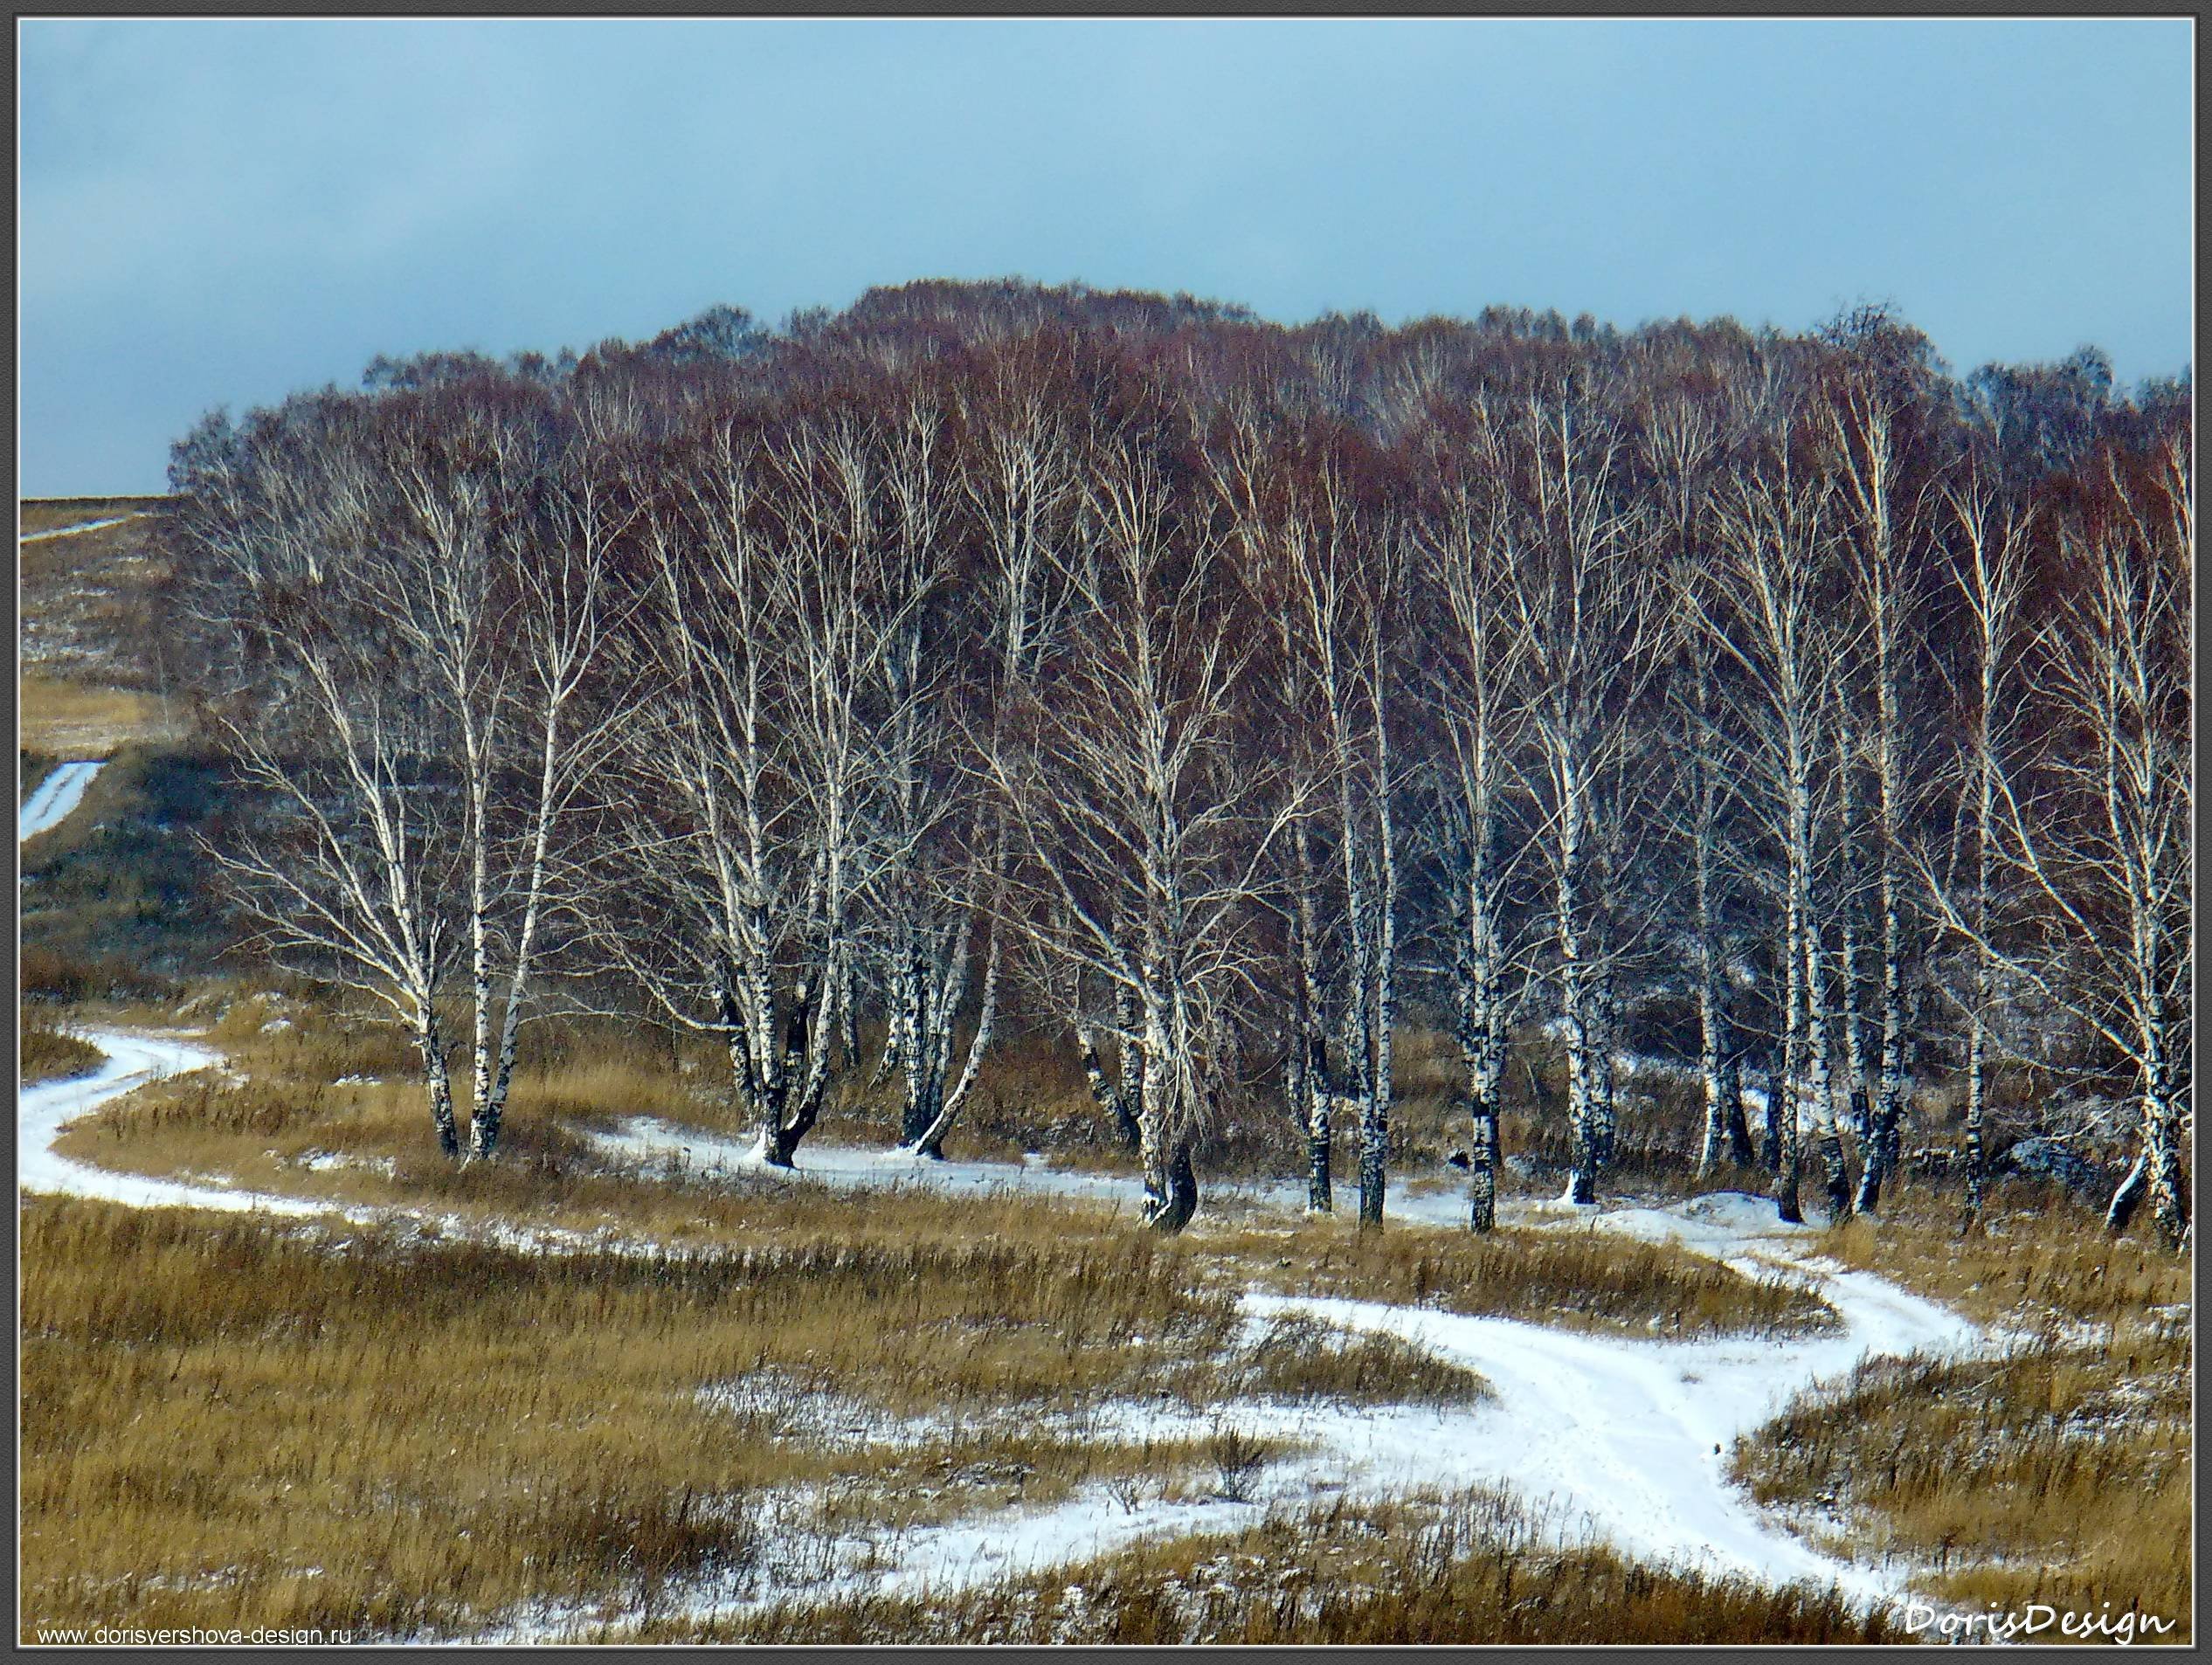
<point x="751" y="843"/>
<point x="1136" y="815"/>
<point x="1683" y="447"/>
<point x="1991" y="576"/>
<point x="1585" y="598"/>
<point x="1328" y="575"/>
<point x="2097" y="827"/>
<point x="427" y="623"/>
<point x="1886" y="523"/>
<point x="1769" y="614"/>
<point x="499" y="603"/>
<point x="1476" y="668"/>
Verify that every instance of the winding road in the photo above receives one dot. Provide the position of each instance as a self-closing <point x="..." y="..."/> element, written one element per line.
<point x="1604" y="1437"/>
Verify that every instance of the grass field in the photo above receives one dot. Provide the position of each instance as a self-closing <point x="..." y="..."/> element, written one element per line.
<point x="93" y="677"/>
<point x="36" y="515"/>
<point x="222" y="1424"/>
<point x="66" y="718"/>
<point x="228" y="1421"/>
<point x="2060" y="1473"/>
<point x="1456" y="1569"/>
<point x="48" y="1053"/>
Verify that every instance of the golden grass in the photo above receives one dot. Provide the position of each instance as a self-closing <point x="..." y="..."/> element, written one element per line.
<point x="37" y="514"/>
<point x="293" y="1110"/>
<point x="1471" y="1568"/>
<point x="47" y="1052"/>
<point x="1581" y="1280"/>
<point x="1299" y="1358"/>
<point x="226" y="1425"/>
<point x="2038" y="1259"/>
<point x="31" y="767"/>
<point x="2058" y="1474"/>
<point x="65" y="717"/>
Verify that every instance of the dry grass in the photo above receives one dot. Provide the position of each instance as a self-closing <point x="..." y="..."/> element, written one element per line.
<point x="319" y="1088"/>
<point x="2039" y="1260"/>
<point x="1469" y="1569"/>
<point x="31" y="767"/>
<point x="1297" y="1357"/>
<point x="37" y="514"/>
<point x="1582" y="1279"/>
<point x="226" y="1425"/>
<point x="122" y="881"/>
<point x="90" y="619"/>
<point x="2059" y="1474"/>
<point x="46" y="1052"/>
<point x="67" y="717"/>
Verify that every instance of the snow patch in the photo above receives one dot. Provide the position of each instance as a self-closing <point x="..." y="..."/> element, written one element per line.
<point x="82" y="526"/>
<point x="56" y="797"/>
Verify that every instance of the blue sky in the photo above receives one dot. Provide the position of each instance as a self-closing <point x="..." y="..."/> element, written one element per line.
<point x="217" y="213"/>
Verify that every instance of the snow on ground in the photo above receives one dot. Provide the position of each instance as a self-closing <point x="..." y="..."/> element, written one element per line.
<point x="1602" y="1439"/>
<point x="55" y="797"/>
<point x="82" y="526"/>
<point x="1602" y="1436"/>
<point x="647" y="1143"/>
<point x="132" y="1061"/>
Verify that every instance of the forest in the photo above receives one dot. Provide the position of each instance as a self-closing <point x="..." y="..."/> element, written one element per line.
<point x="993" y="665"/>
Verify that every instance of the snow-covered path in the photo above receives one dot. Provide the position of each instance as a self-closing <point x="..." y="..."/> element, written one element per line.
<point x="648" y="1143"/>
<point x="82" y="526"/>
<point x="132" y="1060"/>
<point x="1630" y="1440"/>
<point x="1603" y="1437"/>
<point x="53" y="799"/>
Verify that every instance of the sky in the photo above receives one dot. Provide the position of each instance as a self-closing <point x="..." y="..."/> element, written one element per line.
<point x="219" y="214"/>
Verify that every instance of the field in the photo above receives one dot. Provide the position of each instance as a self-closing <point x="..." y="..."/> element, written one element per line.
<point x="615" y="1385"/>
<point x="92" y="679"/>
<point x="715" y="1441"/>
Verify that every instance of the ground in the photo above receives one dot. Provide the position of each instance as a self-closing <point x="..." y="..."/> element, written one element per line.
<point x="282" y="1364"/>
<point x="886" y="1379"/>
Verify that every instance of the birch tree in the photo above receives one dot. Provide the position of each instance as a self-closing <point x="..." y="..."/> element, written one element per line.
<point x="755" y="758"/>
<point x="1683" y="445"/>
<point x="1991" y="576"/>
<point x="1884" y="520"/>
<point x="2097" y="828"/>
<point x="1138" y="820"/>
<point x="1771" y="615"/>
<point x="1584" y="598"/>
<point x="427" y="634"/>
<point x="1328" y="575"/>
<point x="1473" y="672"/>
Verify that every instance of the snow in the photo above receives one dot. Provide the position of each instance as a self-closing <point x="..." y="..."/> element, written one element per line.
<point x="1601" y="1436"/>
<point x="55" y="797"/>
<point x="132" y="1061"/>
<point x="82" y="526"/>
<point x="645" y="1142"/>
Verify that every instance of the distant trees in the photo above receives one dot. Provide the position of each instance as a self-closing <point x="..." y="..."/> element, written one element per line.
<point x="1207" y="695"/>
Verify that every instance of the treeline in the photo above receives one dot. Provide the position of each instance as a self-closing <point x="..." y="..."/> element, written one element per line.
<point x="1217" y="694"/>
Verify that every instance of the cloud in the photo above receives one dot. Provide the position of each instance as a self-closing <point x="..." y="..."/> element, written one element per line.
<point x="220" y="212"/>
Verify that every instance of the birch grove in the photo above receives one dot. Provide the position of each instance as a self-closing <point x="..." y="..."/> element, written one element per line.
<point x="990" y="682"/>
